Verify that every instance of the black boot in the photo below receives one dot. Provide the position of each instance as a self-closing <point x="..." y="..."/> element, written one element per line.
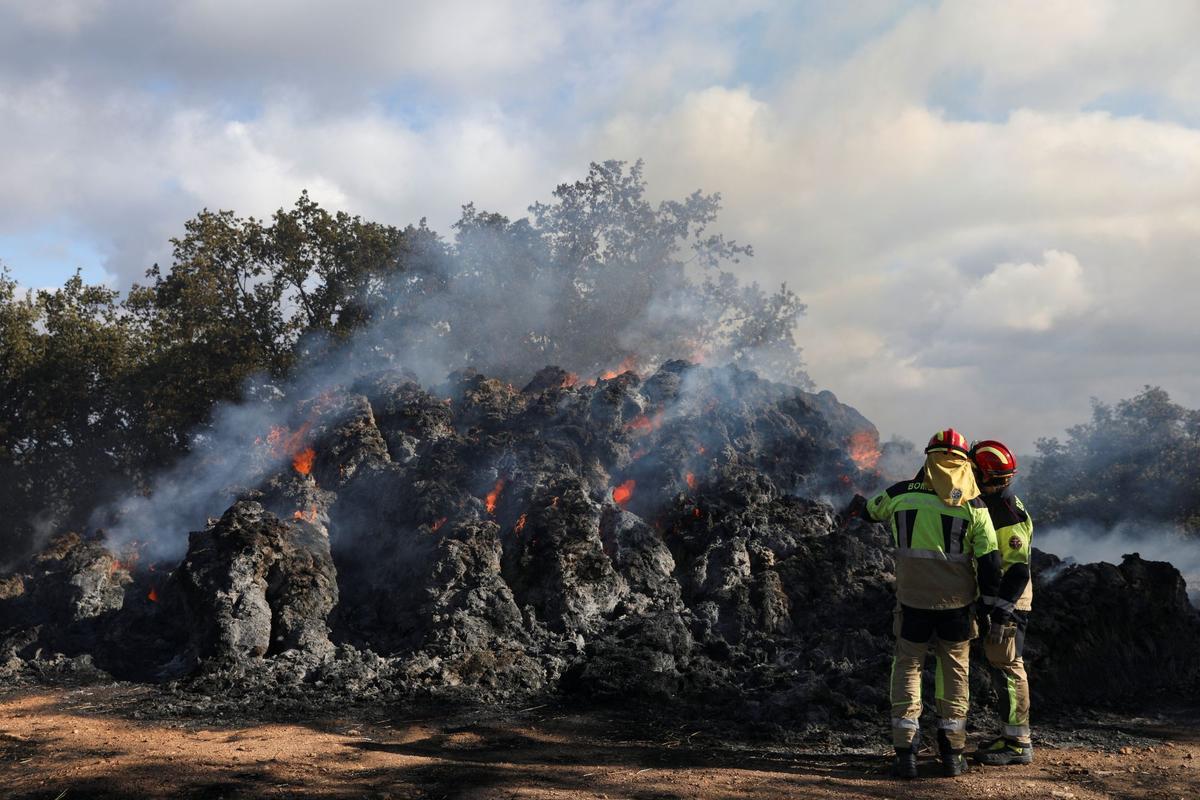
<point x="954" y="763"/>
<point x="906" y="762"/>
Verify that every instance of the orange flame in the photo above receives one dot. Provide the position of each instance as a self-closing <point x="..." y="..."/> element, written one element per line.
<point x="691" y="481"/>
<point x="628" y="364"/>
<point x="864" y="449"/>
<point x="437" y="523"/>
<point x="291" y="444"/>
<point x="302" y="462"/>
<point x="152" y="595"/>
<point x="520" y="526"/>
<point x="570" y="380"/>
<point x="493" y="496"/>
<point x="622" y="494"/>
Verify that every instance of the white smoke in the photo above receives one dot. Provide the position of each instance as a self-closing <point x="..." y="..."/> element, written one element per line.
<point x="1089" y="542"/>
<point x="486" y="303"/>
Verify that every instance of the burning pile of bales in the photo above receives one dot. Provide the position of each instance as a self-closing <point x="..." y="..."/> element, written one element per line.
<point x="669" y="537"/>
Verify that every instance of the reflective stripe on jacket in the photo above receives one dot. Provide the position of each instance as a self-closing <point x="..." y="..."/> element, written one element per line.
<point x="1014" y="536"/>
<point x="936" y="544"/>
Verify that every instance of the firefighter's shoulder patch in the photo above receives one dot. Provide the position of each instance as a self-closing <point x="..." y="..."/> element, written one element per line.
<point x="1015" y="543"/>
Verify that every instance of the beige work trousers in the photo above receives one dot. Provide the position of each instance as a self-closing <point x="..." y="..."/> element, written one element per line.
<point x="1013" y="684"/>
<point x="952" y="690"/>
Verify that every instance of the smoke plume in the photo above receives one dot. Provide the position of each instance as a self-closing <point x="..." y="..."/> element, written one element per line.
<point x="1088" y="542"/>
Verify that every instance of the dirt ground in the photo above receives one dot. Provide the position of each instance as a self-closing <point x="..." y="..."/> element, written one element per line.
<point x="90" y="743"/>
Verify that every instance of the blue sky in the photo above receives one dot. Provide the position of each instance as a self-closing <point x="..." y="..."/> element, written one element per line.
<point x="992" y="209"/>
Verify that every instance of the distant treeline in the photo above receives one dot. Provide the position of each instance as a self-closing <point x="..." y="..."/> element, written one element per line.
<point x="99" y="390"/>
<point x="1137" y="461"/>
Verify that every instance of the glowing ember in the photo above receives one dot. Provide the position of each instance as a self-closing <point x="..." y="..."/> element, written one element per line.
<point x="691" y="481"/>
<point x="641" y="451"/>
<point x="307" y="516"/>
<point x="554" y="503"/>
<point x="493" y="496"/>
<point x="324" y="402"/>
<point x="696" y="512"/>
<point x="624" y="492"/>
<point x="629" y="364"/>
<point x="126" y="562"/>
<point x="437" y="523"/>
<point x="864" y="449"/>
<point x="302" y="462"/>
<point x="642" y="425"/>
<point x="152" y="595"/>
<point x="700" y="449"/>
<point x="520" y="526"/>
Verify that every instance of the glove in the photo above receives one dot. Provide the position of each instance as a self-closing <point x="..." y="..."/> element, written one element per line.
<point x="983" y="618"/>
<point x="856" y="508"/>
<point x="1001" y="626"/>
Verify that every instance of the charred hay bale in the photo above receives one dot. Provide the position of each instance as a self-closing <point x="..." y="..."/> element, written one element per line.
<point x="346" y="439"/>
<point x="224" y="576"/>
<point x="549" y="379"/>
<point x="75" y="579"/>
<point x="473" y="631"/>
<point x="302" y="590"/>
<point x="405" y="413"/>
<point x="643" y="560"/>
<point x="650" y="656"/>
<point x="482" y="402"/>
<point x="561" y="568"/>
<point x="1109" y="634"/>
<point x="255" y="585"/>
<point x="61" y="606"/>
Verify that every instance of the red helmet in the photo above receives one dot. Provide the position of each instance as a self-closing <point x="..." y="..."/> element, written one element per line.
<point x="995" y="462"/>
<point x="947" y="441"/>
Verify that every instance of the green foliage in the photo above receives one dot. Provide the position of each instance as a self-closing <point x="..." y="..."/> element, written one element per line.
<point x="99" y="392"/>
<point x="1132" y="462"/>
<point x="65" y="416"/>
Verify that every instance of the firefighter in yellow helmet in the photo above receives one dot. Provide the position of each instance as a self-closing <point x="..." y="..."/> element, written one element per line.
<point x="944" y="539"/>
<point x="995" y="466"/>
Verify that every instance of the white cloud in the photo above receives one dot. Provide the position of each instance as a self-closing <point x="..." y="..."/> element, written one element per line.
<point x="1028" y="296"/>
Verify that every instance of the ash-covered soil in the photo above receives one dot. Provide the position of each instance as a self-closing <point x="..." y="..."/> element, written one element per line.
<point x="668" y="543"/>
<point x="99" y="742"/>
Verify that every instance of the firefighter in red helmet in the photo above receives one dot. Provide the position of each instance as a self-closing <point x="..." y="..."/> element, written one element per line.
<point x="995" y="466"/>
<point x="946" y="557"/>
